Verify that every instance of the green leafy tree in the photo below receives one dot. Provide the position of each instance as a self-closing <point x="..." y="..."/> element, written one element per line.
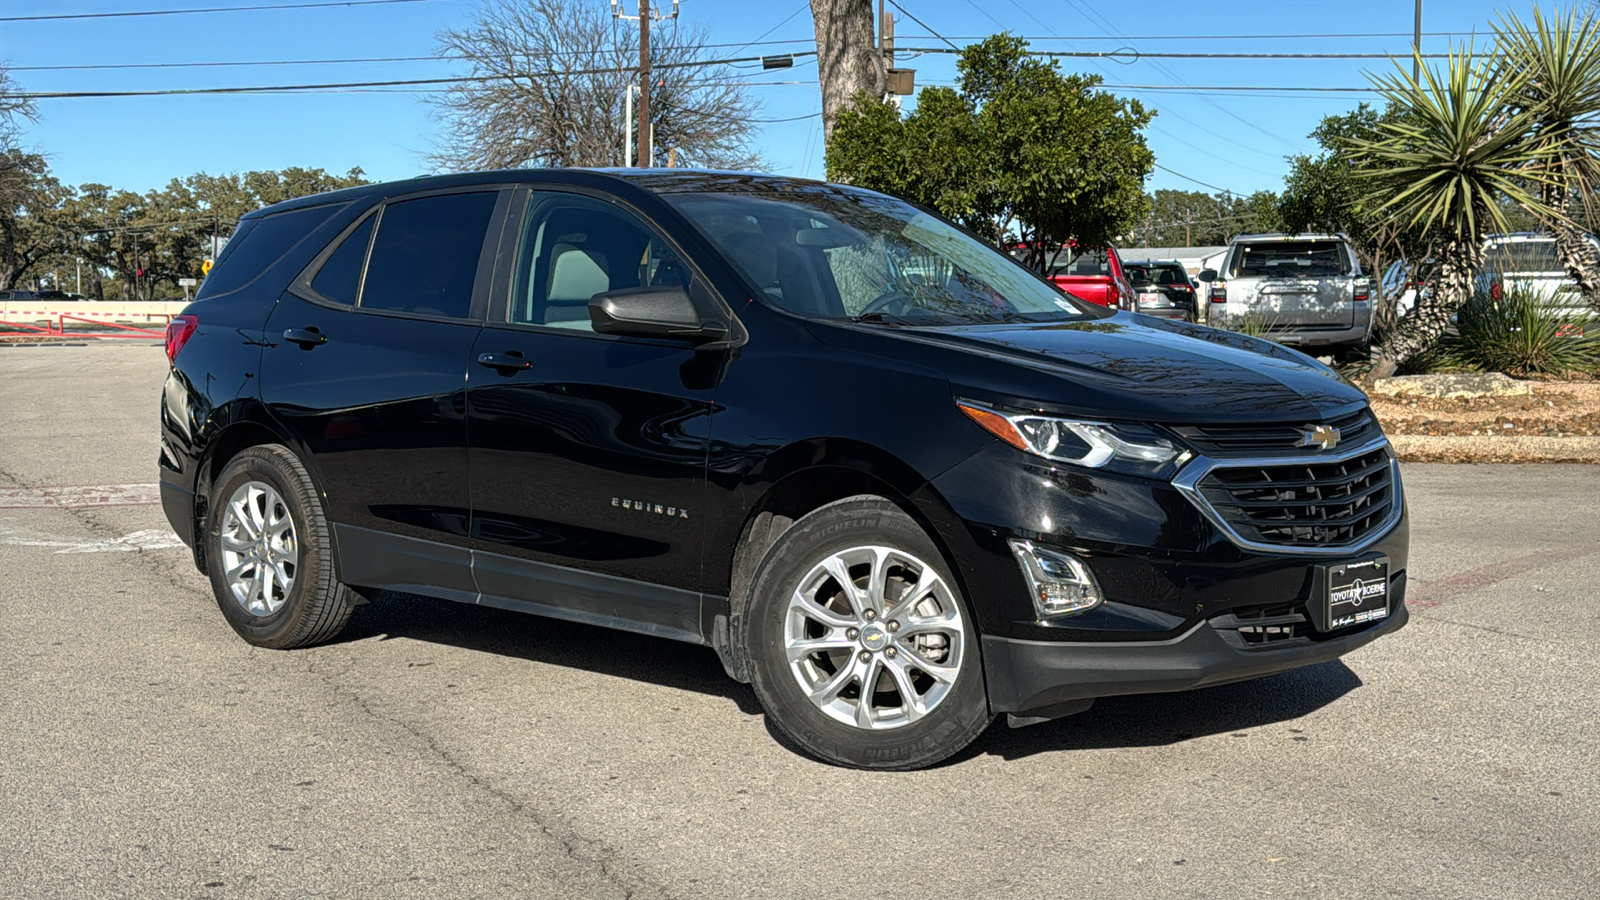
<point x="1017" y="151"/>
<point x="1454" y="153"/>
<point x="1560" y="55"/>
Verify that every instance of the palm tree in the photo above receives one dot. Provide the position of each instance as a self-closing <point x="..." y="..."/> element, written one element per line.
<point x="1561" y="56"/>
<point x="1458" y="149"/>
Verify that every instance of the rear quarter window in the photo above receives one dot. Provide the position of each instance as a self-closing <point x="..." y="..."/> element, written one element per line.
<point x="1524" y="256"/>
<point x="258" y="244"/>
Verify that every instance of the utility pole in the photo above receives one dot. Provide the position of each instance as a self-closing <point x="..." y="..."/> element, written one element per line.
<point x="644" y="84"/>
<point x="644" y="17"/>
<point x="1416" y="46"/>
<point x="886" y="35"/>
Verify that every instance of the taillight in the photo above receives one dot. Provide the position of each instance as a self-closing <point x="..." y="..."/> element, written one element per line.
<point x="1219" y="292"/>
<point x="179" y="330"/>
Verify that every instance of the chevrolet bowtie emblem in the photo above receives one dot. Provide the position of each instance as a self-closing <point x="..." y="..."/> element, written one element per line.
<point x="1322" y="437"/>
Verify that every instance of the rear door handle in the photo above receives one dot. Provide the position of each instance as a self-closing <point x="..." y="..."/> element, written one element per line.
<point x="507" y="363"/>
<point x="305" y="337"/>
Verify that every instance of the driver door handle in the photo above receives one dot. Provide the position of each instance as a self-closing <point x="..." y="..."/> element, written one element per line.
<point x="305" y="337"/>
<point x="507" y="363"/>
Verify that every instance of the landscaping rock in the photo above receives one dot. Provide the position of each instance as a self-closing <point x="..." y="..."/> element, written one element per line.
<point x="1450" y="387"/>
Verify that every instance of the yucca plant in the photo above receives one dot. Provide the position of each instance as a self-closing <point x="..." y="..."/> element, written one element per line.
<point x="1560" y="58"/>
<point x="1444" y="166"/>
<point x="1250" y="323"/>
<point x="1521" y="334"/>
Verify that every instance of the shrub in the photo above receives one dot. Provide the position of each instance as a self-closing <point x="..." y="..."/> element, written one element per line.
<point x="1521" y="334"/>
<point x="1251" y="324"/>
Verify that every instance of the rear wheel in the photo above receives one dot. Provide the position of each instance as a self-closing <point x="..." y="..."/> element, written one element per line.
<point x="862" y="650"/>
<point x="271" y="560"/>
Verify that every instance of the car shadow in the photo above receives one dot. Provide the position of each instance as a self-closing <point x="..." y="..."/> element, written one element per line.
<point x="604" y="651"/>
<point x="1145" y="720"/>
<point x="1152" y="720"/>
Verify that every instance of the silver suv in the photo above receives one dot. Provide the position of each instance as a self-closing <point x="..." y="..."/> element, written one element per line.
<point x="1307" y="290"/>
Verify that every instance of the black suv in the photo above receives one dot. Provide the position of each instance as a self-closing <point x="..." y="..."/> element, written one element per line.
<point x="898" y="483"/>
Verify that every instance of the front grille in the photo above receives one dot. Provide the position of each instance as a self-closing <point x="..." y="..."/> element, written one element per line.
<point x="1264" y="626"/>
<point x="1223" y="440"/>
<point x="1304" y="503"/>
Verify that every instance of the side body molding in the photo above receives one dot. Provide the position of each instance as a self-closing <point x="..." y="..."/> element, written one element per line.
<point x="377" y="559"/>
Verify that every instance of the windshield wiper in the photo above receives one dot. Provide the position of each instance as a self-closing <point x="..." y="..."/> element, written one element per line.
<point x="882" y="318"/>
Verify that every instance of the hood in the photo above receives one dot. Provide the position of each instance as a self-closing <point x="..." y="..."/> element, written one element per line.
<point x="1132" y="367"/>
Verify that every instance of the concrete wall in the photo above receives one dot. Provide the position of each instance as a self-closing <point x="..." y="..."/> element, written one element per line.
<point x="133" y="313"/>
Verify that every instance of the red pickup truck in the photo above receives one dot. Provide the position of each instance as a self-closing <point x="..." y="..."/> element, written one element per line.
<point x="1094" y="275"/>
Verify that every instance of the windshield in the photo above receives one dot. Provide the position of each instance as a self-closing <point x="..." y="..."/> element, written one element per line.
<point x="1289" y="259"/>
<point x="839" y="255"/>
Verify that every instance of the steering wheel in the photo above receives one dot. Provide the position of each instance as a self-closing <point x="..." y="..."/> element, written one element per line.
<point x="887" y="299"/>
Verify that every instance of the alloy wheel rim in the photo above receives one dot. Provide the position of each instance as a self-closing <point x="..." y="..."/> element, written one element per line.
<point x="874" y="637"/>
<point x="260" y="556"/>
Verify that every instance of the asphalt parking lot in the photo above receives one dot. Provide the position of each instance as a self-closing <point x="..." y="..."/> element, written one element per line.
<point x="440" y="750"/>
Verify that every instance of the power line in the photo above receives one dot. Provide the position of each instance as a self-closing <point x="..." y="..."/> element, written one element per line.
<point x="208" y="9"/>
<point x="1204" y="89"/>
<point x="342" y="60"/>
<point x="398" y="82"/>
<point x="803" y="7"/>
<point x="1217" y="37"/>
<point x="907" y="13"/>
<point x="1196" y="180"/>
<point x="1133" y="55"/>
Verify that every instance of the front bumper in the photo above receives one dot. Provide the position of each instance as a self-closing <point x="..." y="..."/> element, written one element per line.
<point x="1034" y="676"/>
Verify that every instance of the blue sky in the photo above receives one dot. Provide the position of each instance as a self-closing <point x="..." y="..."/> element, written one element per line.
<point x="1229" y="139"/>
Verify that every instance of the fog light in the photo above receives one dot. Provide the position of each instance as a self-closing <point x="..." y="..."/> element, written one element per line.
<point x="1059" y="582"/>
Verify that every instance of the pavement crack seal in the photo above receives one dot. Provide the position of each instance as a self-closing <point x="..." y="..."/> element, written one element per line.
<point x="582" y="850"/>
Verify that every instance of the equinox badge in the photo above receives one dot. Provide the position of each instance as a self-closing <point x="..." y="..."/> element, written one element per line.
<point x="1323" y="437"/>
<point x="656" y="508"/>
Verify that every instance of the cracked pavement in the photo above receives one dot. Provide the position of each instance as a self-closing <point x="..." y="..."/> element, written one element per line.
<point x="440" y="750"/>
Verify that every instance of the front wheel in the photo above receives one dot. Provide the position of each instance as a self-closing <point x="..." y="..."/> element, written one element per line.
<point x="862" y="650"/>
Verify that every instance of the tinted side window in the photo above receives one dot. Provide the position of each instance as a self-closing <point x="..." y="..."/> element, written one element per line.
<point x="260" y="245"/>
<point x="339" y="279"/>
<point x="574" y="248"/>
<point x="425" y="257"/>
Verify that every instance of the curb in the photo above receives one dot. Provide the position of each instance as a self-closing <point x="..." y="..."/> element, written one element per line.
<point x="1496" y="449"/>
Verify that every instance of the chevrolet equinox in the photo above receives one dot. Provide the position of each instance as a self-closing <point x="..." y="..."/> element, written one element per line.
<point x="896" y="481"/>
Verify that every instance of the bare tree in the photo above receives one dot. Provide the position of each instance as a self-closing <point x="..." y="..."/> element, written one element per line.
<point x="848" y="62"/>
<point x="548" y="90"/>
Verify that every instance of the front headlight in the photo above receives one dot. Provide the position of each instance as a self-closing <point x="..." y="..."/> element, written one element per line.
<point x="1122" y="447"/>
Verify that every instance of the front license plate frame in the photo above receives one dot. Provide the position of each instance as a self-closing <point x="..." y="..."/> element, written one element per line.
<point x="1353" y="593"/>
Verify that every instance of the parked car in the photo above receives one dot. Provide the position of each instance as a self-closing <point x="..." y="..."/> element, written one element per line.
<point x="1528" y="261"/>
<point x="18" y="295"/>
<point x="1096" y="275"/>
<point x="60" y="296"/>
<point x="1162" y="288"/>
<point x="1308" y="289"/>
<point x="897" y="482"/>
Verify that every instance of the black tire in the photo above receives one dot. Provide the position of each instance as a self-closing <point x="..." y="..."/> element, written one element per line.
<point x="945" y="729"/>
<point x="316" y="606"/>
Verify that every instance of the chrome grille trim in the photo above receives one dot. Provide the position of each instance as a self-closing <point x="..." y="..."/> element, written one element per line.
<point x="1188" y="483"/>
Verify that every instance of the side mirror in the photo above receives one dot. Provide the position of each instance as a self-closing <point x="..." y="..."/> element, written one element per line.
<point x="652" y="312"/>
<point x="1208" y="274"/>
